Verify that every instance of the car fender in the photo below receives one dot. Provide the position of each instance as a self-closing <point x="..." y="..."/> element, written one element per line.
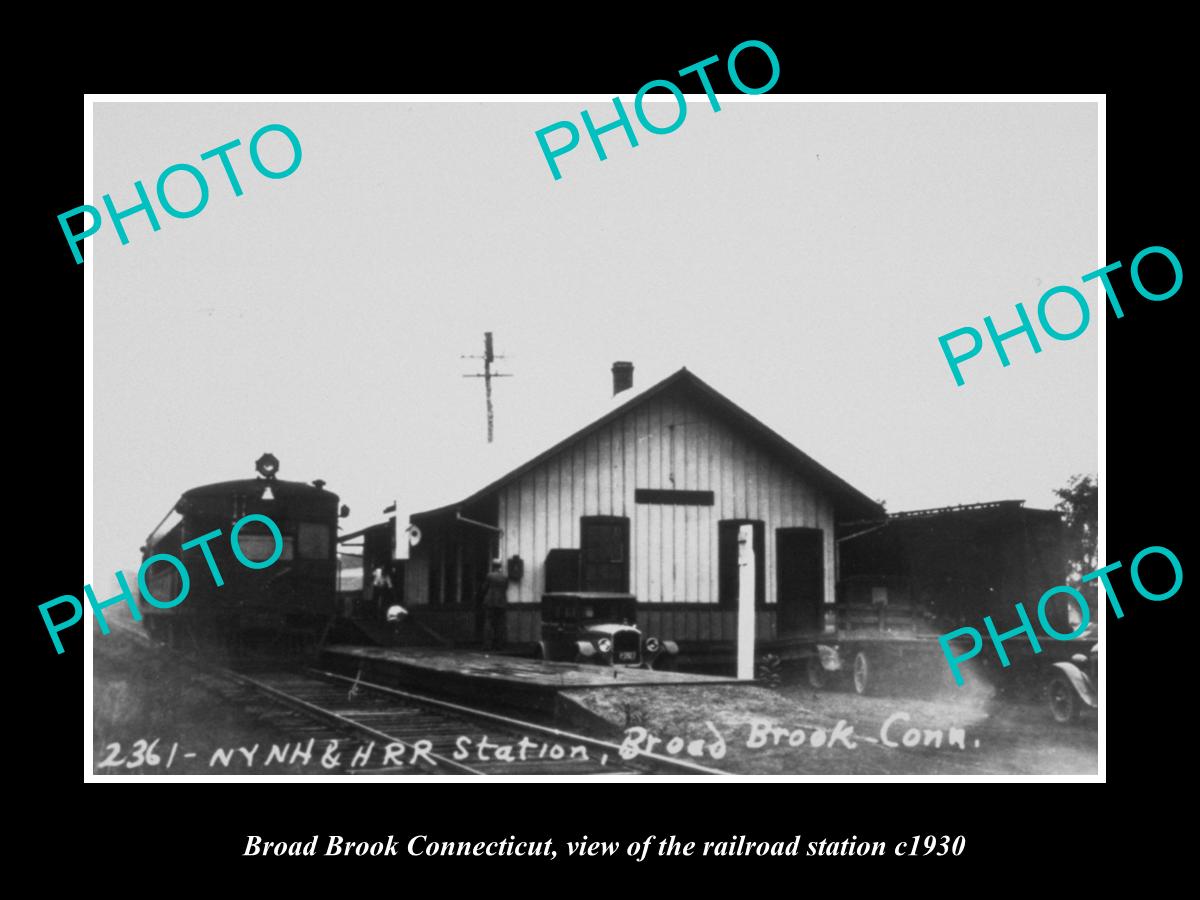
<point x="1079" y="681"/>
<point x="830" y="658"/>
<point x="670" y="647"/>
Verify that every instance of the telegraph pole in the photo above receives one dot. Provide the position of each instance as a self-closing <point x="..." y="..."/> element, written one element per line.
<point x="487" y="375"/>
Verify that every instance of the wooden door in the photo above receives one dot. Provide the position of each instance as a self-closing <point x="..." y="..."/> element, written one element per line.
<point x="800" y="570"/>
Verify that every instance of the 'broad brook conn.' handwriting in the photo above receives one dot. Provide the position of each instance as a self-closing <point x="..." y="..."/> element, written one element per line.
<point x="337" y="755"/>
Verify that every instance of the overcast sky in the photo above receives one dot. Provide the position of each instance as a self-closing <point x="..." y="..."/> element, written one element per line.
<point x="801" y="258"/>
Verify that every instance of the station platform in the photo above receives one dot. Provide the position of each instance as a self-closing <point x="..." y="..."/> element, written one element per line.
<point x="494" y="678"/>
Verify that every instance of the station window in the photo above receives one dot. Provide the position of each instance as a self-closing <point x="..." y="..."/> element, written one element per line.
<point x="257" y="543"/>
<point x="604" y="551"/>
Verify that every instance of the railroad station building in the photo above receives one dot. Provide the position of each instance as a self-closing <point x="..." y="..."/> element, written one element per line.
<point x="647" y="500"/>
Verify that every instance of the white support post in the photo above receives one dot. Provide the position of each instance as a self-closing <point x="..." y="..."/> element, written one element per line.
<point x="746" y="593"/>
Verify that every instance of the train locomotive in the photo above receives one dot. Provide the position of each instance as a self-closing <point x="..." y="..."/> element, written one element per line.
<point x="284" y="607"/>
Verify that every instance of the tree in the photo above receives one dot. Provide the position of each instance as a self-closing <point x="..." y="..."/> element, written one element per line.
<point x="1078" y="504"/>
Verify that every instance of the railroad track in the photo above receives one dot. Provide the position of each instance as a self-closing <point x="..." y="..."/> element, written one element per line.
<point x="383" y="730"/>
<point x="449" y="738"/>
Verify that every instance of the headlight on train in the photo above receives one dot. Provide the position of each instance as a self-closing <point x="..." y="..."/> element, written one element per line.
<point x="652" y="645"/>
<point x="604" y="645"/>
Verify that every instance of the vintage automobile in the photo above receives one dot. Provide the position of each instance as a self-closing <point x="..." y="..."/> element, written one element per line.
<point x="1072" y="686"/>
<point x="594" y="627"/>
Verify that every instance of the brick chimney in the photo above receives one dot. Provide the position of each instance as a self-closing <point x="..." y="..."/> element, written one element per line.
<point x="622" y="373"/>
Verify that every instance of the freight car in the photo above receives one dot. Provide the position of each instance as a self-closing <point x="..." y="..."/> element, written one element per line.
<point x="284" y="607"/>
<point x="904" y="582"/>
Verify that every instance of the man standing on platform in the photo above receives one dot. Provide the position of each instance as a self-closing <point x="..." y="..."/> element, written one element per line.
<point x="495" y="601"/>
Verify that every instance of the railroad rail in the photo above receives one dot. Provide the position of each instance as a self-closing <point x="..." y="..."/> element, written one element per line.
<point x="415" y="733"/>
<point x="608" y="753"/>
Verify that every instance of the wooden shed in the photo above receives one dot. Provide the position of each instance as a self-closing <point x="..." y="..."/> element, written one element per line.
<point x="647" y="500"/>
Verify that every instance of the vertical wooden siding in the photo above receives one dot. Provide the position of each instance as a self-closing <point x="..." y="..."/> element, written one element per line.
<point x="665" y="444"/>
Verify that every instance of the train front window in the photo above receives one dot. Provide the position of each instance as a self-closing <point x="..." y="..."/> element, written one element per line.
<point x="258" y="544"/>
<point x="314" y="540"/>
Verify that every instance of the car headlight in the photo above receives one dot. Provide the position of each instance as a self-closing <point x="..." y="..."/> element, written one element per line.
<point x="652" y="645"/>
<point x="604" y="645"/>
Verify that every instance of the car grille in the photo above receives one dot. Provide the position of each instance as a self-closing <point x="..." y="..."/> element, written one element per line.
<point x="626" y="646"/>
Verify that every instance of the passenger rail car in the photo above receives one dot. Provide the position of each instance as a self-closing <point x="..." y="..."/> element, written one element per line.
<point x="285" y="606"/>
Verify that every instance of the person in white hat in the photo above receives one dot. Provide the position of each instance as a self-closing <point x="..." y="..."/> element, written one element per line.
<point x="495" y="601"/>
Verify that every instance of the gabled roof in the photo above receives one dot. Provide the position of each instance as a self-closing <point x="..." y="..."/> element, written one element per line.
<point x="850" y="502"/>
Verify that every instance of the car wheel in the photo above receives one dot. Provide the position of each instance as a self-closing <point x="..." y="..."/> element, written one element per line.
<point x="1063" y="699"/>
<point x="818" y="678"/>
<point x="864" y="674"/>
